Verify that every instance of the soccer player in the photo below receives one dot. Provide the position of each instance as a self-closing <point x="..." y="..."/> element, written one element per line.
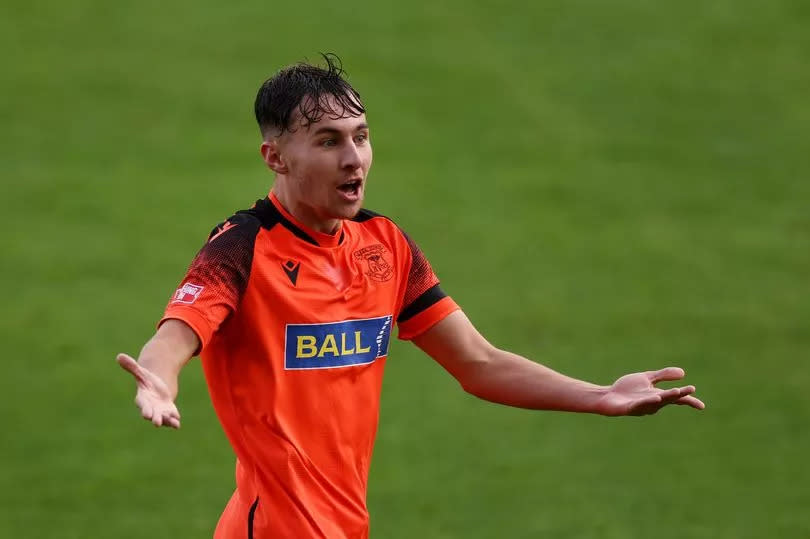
<point x="291" y="305"/>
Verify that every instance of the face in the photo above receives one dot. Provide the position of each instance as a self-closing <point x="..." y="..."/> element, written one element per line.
<point x="321" y="169"/>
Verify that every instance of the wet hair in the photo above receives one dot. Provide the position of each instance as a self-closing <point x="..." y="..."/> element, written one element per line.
<point x="305" y="88"/>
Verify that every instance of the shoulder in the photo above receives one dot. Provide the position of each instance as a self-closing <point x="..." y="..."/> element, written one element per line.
<point x="238" y="229"/>
<point x="366" y="215"/>
<point x="371" y="220"/>
<point x="382" y="226"/>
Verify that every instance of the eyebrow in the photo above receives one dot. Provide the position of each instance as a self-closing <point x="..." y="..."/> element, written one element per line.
<point x="332" y="130"/>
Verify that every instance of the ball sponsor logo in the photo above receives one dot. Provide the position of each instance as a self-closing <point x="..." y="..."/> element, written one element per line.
<point x="336" y="344"/>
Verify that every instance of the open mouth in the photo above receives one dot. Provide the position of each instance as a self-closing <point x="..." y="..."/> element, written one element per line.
<point x="351" y="188"/>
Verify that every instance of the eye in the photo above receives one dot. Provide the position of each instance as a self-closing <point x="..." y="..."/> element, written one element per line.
<point x="361" y="138"/>
<point x="328" y="143"/>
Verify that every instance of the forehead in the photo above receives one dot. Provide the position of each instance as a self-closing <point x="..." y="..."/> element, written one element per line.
<point x="329" y="113"/>
<point x="347" y="124"/>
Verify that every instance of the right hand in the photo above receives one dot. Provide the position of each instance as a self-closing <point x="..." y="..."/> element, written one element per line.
<point x="153" y="397"/>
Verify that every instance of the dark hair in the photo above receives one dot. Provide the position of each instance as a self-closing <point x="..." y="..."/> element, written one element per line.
<point x="305" y="88"/>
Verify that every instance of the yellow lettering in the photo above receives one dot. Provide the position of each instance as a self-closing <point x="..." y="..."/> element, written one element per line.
<point x="343" y="350"/>
<point x="359" y="345"/>
<point x="306" y="342"/>
<point x="329" y="345"/>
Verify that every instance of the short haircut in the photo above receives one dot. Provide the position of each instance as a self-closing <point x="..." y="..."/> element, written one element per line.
<point x="305" y="88"/>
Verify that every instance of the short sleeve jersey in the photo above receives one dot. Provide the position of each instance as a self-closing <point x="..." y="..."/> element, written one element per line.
<point x="294" y="328"/>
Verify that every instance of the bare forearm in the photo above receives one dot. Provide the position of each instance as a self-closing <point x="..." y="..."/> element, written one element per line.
<point x="168" y="351"/>
<point x="510" y="379"/>
<point x="506" y="378"/>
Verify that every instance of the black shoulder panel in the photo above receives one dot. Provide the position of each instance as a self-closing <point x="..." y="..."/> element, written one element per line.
<point x="241" y="218"/>
<point x="365" y="215"/>
<point x="223" y="264"/>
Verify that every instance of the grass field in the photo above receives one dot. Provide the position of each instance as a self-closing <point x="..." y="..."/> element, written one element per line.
<point x="604" y="187"/>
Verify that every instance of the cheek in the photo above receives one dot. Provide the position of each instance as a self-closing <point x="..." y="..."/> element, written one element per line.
<point x="293" y="163"/>
<point x="300" y="167"/>
<point x="312" y="179"/>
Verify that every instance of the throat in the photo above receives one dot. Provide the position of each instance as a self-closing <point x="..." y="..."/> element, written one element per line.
<point x="304" y="214"/>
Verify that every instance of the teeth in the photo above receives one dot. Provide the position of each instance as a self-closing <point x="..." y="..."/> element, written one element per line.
<point x="350" y="187"/>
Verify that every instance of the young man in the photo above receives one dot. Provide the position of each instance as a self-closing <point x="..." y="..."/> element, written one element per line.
<point x="291" y="304"/>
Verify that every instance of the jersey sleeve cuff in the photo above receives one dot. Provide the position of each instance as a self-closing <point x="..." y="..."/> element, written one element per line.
<point x="426" y="319"/>
<point x="195" y="320"/>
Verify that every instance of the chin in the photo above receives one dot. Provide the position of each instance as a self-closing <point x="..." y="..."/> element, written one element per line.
<point x="349" y="211"/>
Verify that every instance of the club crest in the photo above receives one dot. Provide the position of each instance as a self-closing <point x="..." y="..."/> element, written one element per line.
<point x="378" y="267"/>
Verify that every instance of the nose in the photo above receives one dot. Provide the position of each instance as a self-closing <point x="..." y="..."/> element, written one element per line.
<point x="350" y="158"/>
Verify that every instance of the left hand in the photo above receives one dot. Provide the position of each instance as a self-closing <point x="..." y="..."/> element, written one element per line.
<point x="636" y="394"/>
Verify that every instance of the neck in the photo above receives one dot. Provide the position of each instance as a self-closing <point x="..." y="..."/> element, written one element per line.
<point x="303" y="212"/>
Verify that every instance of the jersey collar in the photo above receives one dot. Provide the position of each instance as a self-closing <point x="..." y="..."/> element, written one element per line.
<point x="319" y="238"/>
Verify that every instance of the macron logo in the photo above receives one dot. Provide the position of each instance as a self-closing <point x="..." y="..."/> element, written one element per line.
<point x="188" y="293"/>
<point x="226" y="226"/>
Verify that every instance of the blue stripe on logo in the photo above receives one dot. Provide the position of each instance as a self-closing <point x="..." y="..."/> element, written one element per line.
<point x="336" y="344"/>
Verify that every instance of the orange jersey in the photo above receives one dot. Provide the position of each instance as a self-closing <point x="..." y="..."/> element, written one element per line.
<point x="295" y="327"/>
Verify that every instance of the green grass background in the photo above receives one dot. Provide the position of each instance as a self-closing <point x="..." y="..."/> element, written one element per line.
<point x="604" y="187"/>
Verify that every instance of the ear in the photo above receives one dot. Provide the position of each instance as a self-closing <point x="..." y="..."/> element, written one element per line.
<point x="271" y="153"/>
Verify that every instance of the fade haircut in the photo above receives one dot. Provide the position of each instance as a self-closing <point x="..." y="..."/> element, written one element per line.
<point x="305" y="88"/>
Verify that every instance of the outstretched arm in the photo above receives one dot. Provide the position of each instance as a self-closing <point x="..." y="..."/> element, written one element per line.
<point x="157" y="369"/>
<point x="506" y="378"/>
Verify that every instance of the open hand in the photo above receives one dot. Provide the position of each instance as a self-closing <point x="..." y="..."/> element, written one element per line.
<point x="636" y="394"/>
<point x="153" y="396"/>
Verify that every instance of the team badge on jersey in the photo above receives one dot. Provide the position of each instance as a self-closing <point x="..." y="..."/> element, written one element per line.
<point x="188" y="293"/>
<point x="336" y="344"/>
<point x="378" y="267"/>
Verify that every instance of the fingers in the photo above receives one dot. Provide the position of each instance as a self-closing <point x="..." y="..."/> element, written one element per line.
<point x="672" y="395"/>
<point x="164" y="416"/>
<point x="158" y="412"/>
<point x="677" y="395"/>
<point x="131" y="366"/>
<point x="666" y="374"/>
<point x="694" y="402"/>
<point x="170" y="418"/>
